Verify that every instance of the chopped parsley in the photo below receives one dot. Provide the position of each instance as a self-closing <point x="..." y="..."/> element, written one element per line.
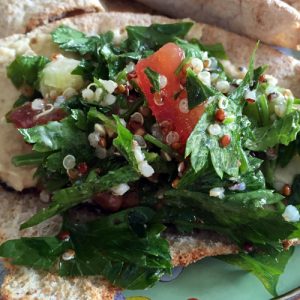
<point x="217" y="178"/>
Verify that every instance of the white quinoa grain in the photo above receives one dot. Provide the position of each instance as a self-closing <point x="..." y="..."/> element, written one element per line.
<point x="37" y="104"/>
<point x="183" y="106"/>
<point x="100" y="129"/>
<point x="120" y="189"/>
<point x="108" y="85"/>
<point x="291" y="214"/>
<point x="214" y="129"/>
<point x="94" y="139"/>
<point x="204" y="76"/>
<point x="172" y="137"/>
<point x="145" y="169"/>
<point x="101" y="152"/>
<point x="68" y="255"/>
<point x="250" y="95"/>
<point x="88" y="94"/>
<point x="223" y="102"/>
<point x="218" y="192"/>
<point x="197" y="64"/>
<point x="69" y="162"/>
<point x="130" y="67"/>
<point x="109" y="99"/>
<point x="98" y="94"/>
<point x="163" y="81"/>
<point x="223" y="86"/>
<point x="44" y="196"/>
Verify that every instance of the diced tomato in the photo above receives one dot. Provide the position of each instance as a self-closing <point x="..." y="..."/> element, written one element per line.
<point x="165" y="62"/>
<point x="25" y="117"/>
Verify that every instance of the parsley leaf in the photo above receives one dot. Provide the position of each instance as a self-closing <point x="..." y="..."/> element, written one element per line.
<point x="190" y="49"/>
<point x="154" y="79"/>
<point x="238" y="94"/>
<point x="25" y="70"/>
<point x="197" y="91"/>
<point x="51" y="143"/>
<point x="244" y="217"/>
<point x="194" y="48"/>
<point x="159" y="144"/>
<point x="20" y="101"/>
<point x="94" y="115"/>
<point x="123" y="142"/>
<point x="141" y="38"/>
<point x="266" y="265"/>
<point x="36" y="252"/>
<point x="112" y="246"/>
<point x="215" y="50"/>
<point x="202" y="145"/>
<point x="99" y="48"/>
<point x="55" y="135"/>
<point x="203" y="181"/>
<point x="257" y="73"/>
<point x="89" y="69"/>
<point x="59" y="137"/>
<point x="83" y="191"/>
<point x="30" y="159"/>
<point x="70" y="39"/>
<point x="281" y="131"/>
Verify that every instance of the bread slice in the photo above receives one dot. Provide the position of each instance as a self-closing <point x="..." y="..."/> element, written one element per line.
<point x="274" y="22"/>
<point x="25" y="283"/>
<point x="15" y="207"/>
<point x="23" y="16"/>
<point x="239" y="49"/>
<point x="294" y="3"/>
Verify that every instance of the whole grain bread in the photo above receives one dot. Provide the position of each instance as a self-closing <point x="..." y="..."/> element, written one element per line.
<point x="25" y="283"/>
<point x="23" y="16"/>
<point x="239" y="49"/>
<point x="272" y="21"/>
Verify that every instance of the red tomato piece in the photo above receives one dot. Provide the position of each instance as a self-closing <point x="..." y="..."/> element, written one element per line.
<point x="25" y="117"/>
<point x="165" y="62"/>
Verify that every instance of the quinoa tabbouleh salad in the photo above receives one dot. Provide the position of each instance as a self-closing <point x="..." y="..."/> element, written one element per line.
<point x="150" y="135"/>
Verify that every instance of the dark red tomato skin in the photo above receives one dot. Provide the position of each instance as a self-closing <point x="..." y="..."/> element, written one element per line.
<point x="165" y="62"/>
<point x="25" y="117"/>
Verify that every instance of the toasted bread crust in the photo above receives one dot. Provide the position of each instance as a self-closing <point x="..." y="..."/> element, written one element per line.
<point x="23" y="16"/>
<point x="27" y="284"/>
<point x="187" y="249"/>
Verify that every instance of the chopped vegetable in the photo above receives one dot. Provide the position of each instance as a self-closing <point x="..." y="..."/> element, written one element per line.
<point x="151" y="133"/>
<point x="26" y="70"/>
<point x="57" y="76"/>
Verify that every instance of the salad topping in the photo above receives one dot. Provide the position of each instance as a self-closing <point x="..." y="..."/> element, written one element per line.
<point x="151" y="133"/>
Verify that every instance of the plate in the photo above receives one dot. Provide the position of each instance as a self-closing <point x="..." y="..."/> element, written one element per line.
<point x="212" y="279"/>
